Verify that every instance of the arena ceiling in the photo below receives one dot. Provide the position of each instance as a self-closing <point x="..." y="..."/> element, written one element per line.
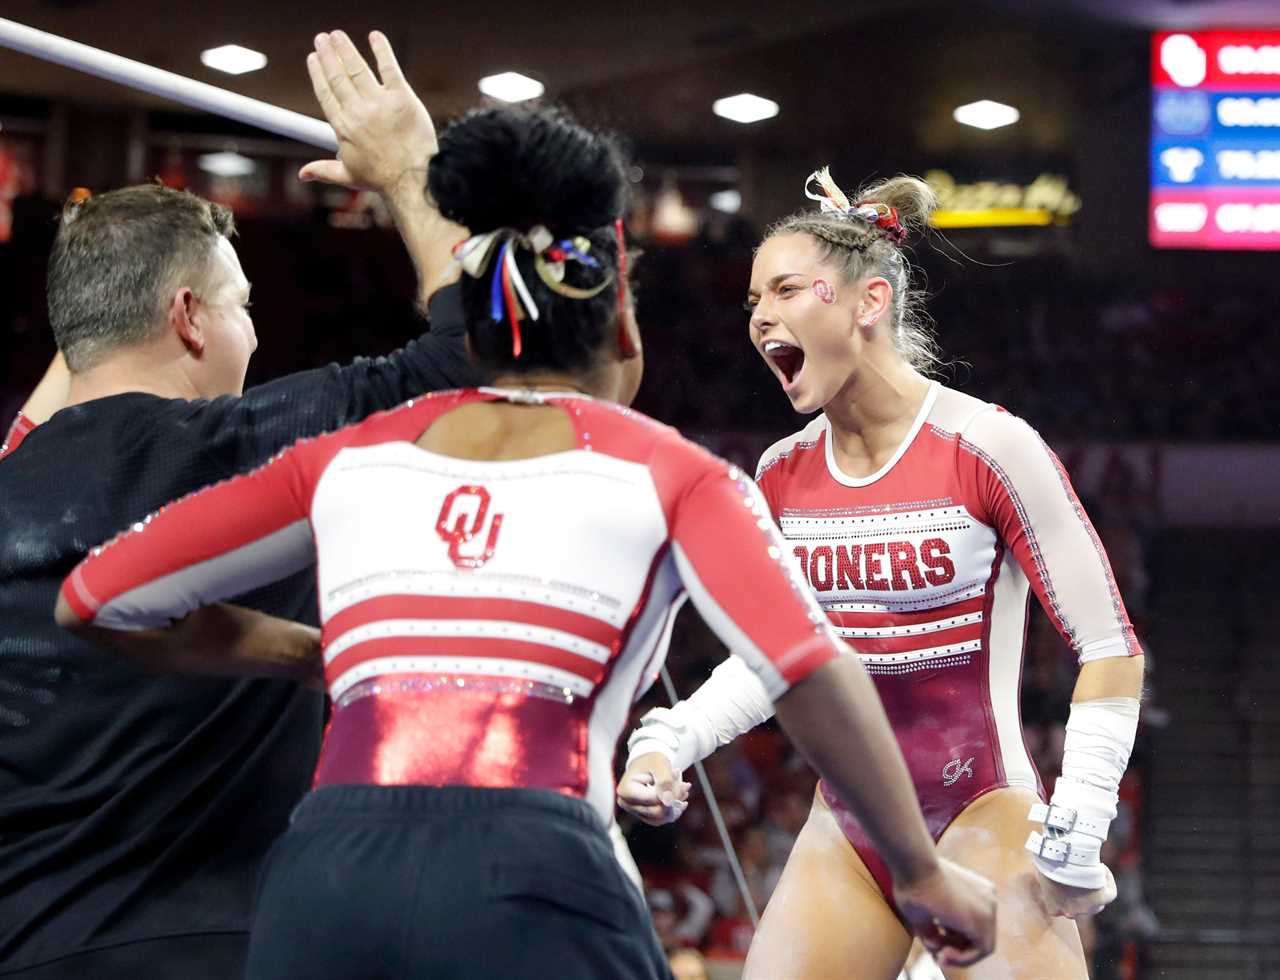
<point x="881" y="69"/>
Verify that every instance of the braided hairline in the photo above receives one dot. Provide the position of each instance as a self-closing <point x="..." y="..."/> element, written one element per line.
<point x="840" y="233"/>
<point x="845" y="234"/>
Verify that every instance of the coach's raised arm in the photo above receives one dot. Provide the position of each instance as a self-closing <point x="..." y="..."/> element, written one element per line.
<point x="386" y="140"/>
<point x="132" y="306"/>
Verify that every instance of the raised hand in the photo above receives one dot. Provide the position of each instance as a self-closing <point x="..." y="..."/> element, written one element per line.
<point x="385" y="134"/>
<point x="651" y="791"/>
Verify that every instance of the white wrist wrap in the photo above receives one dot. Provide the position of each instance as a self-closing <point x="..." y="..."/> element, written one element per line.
<point x="665" y="731"/>
<point x="732" y="701"/>
<point x="1099" y="740"/>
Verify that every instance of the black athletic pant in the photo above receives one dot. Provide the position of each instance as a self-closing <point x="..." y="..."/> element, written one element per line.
<point x="409" y="883"/>
<point x="204" y="956"/>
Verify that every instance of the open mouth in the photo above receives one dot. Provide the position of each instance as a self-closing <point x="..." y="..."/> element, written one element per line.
<point x="788" y="358"/>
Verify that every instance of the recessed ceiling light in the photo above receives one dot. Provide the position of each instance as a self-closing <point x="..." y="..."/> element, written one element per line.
<point x="729" y="201"/>
<point x="233" y="59"/>
<point x="745" y="108"/>
<point x="986" y="114"/>
<point x="511" y="86"/>
<point x="226" y="164"/>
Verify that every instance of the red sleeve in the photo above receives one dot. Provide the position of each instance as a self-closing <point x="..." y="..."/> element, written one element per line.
<point x="1024" y="492"/>
<point x="212" y="545"/>
<point x="733" y="562"/>
<point x="18" y="431"/>
<point x="227" y="539"/>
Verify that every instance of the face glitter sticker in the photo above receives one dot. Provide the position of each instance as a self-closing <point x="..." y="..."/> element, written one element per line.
<point x="824" y="291"/>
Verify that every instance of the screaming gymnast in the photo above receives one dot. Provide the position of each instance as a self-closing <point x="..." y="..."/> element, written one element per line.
<point x="922" y="519"/>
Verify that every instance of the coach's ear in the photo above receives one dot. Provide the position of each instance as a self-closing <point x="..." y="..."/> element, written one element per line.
<point x="183" y="321"/>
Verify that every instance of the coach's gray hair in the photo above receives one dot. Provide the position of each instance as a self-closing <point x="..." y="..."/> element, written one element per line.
<point x="116" y="261"/>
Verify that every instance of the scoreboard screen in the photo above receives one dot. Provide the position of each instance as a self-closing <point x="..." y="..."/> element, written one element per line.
<point x="1215" y="140"/>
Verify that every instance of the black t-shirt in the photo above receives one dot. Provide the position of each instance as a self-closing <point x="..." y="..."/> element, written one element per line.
<point x="136" y="805"/>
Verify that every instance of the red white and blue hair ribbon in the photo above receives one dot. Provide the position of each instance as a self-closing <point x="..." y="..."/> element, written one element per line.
<point x="509" y="295"/>
<point x="832" y="200"/>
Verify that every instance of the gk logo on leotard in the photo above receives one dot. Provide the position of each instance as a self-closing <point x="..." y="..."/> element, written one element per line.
<point x="463" y="521"/>
<point x="954" y="769"/>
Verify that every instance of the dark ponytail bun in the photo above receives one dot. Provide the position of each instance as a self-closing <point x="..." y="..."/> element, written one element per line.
<point x="515" y="167"/>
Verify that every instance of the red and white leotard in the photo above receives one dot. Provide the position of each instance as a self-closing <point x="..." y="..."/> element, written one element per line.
<point x="484" y="623"/>
<point x="926" y="568"/>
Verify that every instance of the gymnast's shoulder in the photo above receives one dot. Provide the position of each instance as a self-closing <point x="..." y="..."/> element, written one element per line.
<point x="796" y="443"/>
<point x="982" y="425"/>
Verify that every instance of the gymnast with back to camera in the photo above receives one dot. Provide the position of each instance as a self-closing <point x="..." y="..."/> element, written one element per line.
<point x="497" y="572"/>
<point x="922" y="519"/>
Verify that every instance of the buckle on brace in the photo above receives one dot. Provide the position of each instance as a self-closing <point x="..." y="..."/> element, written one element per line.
<point x="1059" y="818"/>
<point x="1059" y="849"/>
